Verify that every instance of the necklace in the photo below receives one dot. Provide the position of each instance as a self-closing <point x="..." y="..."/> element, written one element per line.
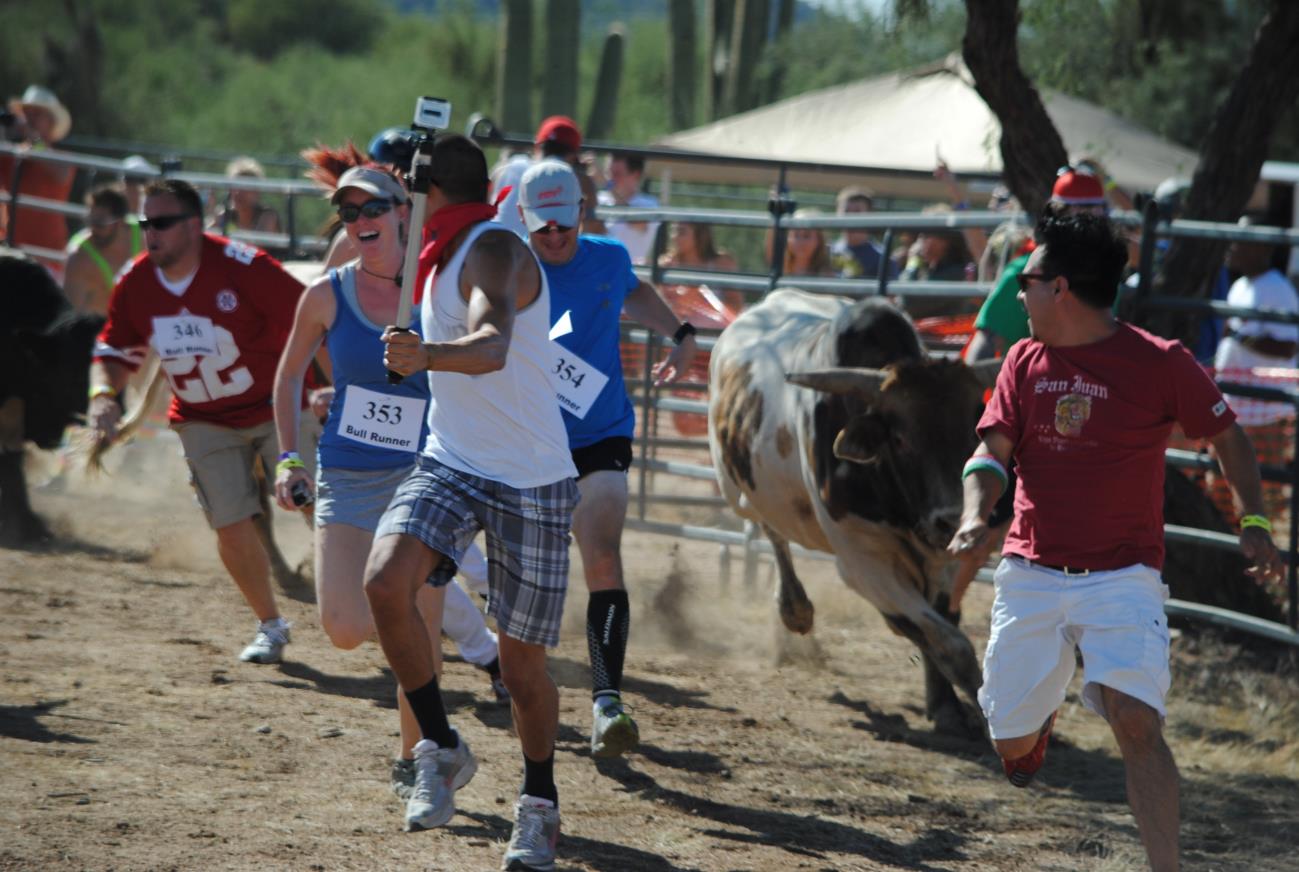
<point x="394" y="279"/>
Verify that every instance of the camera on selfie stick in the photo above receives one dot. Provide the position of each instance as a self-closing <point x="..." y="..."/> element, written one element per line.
<point x="431" y="115"/>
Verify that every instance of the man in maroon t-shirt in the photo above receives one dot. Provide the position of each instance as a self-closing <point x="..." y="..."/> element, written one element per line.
<point x="1085" y="406"/>
<point x="218" y="313"/>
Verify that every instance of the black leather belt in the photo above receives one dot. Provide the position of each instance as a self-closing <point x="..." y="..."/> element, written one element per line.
<point x="1067" y="570"/>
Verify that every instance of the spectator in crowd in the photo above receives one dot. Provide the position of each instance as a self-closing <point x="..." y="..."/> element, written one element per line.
<point x="559" y="137"/>
<point x="626" y="178"/>
<point x="1249" y="344"/>
<point x="99" y="251"/>
<point x="496" y="458"/>
<point x="806" y="251"/>
<point x="1085" y="408"/>
<point x="39" y="121"/>
<point x="218" y="313"/>
<point x="136" y="173"/>
<point x="591" y="285"/>
<point x="243" y="208"/>
<point x="854" y="254"/>
<point x="939" y="255"/>
<point x="692" y="247"/>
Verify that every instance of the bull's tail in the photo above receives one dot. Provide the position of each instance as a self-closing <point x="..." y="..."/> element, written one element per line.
<point x="154" y="380"/>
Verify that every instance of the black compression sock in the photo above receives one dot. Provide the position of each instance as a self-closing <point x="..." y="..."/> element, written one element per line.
<point x="426" y="703"/>
<point x="539" y="778"/>
<point x="608" y="619"/>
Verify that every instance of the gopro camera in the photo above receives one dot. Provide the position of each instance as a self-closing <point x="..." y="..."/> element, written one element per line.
<point x="301" y="494"/>
<point x="432" y="113"/>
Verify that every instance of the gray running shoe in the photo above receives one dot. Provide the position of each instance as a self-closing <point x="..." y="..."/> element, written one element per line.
<point x="402" y="777"/>
<point x="613" y="732"/>
<point x="499" y="689"/>
<point x="536" y="832"/>
<point x="268" y="645"/>
<point x="439" y="773"/>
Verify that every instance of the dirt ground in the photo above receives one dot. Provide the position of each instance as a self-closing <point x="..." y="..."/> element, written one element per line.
<point x="131" y="738"/>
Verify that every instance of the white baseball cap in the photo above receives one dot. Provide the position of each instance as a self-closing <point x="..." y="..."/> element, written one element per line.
<point x="371" y="180"/>
<point x="550" y="195"/>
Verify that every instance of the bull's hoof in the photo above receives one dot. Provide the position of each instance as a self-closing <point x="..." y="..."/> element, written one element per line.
<point x="24" y="531"/>
<point x="798" y="617"/>
<point x="955" y="718"/>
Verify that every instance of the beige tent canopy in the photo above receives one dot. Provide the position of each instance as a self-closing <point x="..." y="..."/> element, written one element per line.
<point x="893" y="127"/>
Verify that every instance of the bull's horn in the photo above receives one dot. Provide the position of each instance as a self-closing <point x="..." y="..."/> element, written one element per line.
<point x="985" y="371"/>
<point x="840" y="380"/>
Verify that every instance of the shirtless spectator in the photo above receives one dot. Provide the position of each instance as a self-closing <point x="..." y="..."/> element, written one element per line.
<point x="97" y="253"/>
<point x="626" y="176"/>
<point x="244" y="209"/>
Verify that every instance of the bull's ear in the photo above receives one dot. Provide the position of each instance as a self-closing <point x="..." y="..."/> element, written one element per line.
<point x="840" y="380"/>
<point x="861" y="439"/>
<point x="985" y="372"/>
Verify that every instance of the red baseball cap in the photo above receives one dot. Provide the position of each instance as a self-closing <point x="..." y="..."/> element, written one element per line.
<point x="560" y="129"/>
<point x="1074" y="187"/>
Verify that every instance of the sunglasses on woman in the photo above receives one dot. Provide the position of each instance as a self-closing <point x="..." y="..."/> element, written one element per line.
<point x="349" y="212"/>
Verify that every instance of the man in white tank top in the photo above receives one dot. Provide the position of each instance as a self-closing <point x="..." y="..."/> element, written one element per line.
<point x="496" y="459"/>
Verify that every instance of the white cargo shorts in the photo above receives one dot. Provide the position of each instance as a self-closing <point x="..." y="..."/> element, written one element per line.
<point x="1040" y="616"/>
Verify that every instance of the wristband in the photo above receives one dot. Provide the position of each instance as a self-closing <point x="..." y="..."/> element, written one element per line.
<point x="288" y="463"/>
<point x="102" y="391"/>
<point x="289" y="455"/>
<point x="686" y="329"/>
<point x="985" y="461"/>
<point x="1259" y="521"/>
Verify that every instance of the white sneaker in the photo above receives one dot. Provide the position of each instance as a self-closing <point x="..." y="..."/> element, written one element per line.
<point x="613" y="732"/>
<point x="439" y="773"/>
<point x="535" y="835"/>
<point x="268" y="645"/>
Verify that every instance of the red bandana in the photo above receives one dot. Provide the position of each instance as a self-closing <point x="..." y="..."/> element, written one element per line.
<point x="440" y="229"/>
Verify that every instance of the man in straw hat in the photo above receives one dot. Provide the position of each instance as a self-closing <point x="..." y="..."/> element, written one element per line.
<point x="35" y="120"/>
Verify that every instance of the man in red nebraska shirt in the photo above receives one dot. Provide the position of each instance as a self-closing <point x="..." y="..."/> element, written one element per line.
<point x="1085" y="406"/>
<point x="217" y="312"/>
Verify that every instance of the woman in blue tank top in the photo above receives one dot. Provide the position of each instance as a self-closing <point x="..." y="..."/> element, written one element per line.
<point x="373" y="430"/>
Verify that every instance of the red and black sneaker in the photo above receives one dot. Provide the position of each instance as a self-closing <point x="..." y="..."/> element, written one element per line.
<point x="1021" y="770"/>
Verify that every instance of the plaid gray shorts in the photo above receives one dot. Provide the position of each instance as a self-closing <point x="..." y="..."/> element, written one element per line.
<point x="527" y="540"/>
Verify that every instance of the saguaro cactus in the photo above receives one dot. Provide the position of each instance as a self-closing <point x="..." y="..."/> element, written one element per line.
<point x="604" y="106"/>
<point x="681" y="63"/>
<point x="563" y="39"/>
<point x="514" y="67"/>
<point x="748" y="36"/>
<point x="718" y="16"/>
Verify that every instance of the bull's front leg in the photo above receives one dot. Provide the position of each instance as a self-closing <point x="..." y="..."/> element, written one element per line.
<point x="19" y="525"/>
<point x="796" y="611"/>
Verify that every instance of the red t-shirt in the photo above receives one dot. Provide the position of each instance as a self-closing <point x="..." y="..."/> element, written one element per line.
<point x="1090" y="424"/>
<point x="250" y="301"/>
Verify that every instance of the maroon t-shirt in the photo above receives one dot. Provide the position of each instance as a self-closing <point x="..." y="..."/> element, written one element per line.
<point x="1089" y="425"/>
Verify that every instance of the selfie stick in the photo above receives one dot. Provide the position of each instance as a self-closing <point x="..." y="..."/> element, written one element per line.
<point x="431" y="113"/>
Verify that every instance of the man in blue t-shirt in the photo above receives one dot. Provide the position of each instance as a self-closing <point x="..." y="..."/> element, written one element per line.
<point x="591" y="284"/>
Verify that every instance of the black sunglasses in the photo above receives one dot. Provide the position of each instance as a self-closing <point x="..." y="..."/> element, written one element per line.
<point x="349" y="212"/>
<point x="164" y="222"/>
<point x="1026" y="278"/>
<point x="553" y="228"/>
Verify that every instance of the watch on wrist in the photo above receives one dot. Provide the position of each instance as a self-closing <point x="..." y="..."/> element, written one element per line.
<point x="686" y="329"/>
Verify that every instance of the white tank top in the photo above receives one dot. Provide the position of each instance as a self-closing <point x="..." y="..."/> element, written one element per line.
<point x="505" y="425"/>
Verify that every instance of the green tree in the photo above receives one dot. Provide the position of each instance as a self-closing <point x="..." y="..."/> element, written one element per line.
<point x="266" y="29"/>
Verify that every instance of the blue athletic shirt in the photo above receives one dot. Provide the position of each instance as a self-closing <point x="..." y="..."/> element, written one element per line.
<point x="591" y="289"/>
<point x="356" y="352"/>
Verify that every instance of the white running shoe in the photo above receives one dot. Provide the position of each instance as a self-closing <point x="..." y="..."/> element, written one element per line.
<point x="402" y="778"/>
<point x="439" y="773"/>
<point x="613" y="732"/>
<point x="536" y="832"/>
<point x="268" y="645"/>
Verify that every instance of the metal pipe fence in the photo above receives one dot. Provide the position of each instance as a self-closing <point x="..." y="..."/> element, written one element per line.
<point x="778" y="218"/>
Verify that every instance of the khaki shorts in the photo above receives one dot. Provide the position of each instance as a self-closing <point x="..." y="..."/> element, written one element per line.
<point x="222" y="465"/>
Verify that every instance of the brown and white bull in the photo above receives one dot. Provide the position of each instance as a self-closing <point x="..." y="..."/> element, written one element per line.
<point x="830" y="427"/>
